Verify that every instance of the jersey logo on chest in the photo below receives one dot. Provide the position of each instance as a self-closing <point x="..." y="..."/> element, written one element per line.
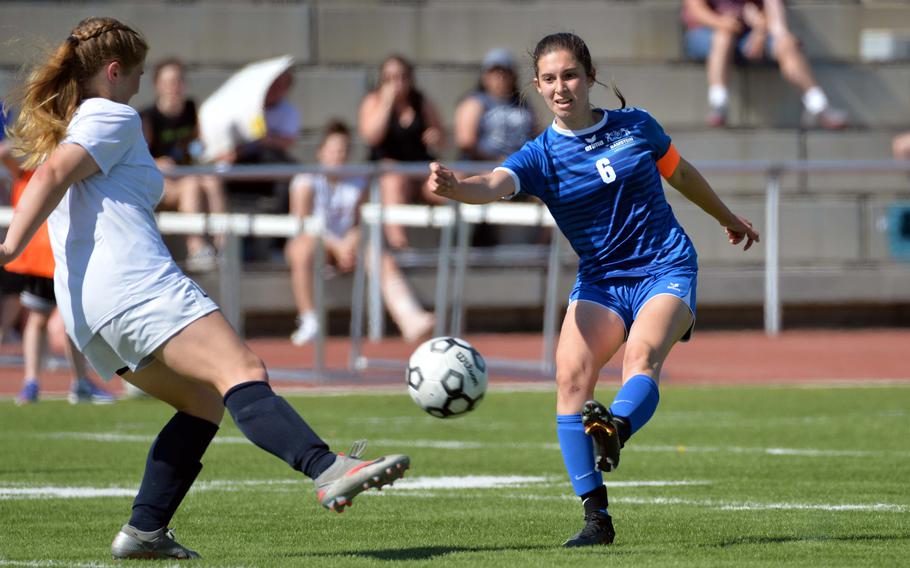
<point x="615" y="138"/>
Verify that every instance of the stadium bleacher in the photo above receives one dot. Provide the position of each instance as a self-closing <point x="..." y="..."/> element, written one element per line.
<point x="834" y="250"/>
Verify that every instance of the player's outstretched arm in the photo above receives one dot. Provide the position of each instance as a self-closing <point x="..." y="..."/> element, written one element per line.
<point x="68" y="164"/>
<point x="475" y="189"/>
<point x="689" y="182"/>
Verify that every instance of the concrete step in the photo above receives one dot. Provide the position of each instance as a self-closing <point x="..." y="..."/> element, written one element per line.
<point x="352" y="31"/>
<point x="876" y="96"/>
<point x="213" y="33"/>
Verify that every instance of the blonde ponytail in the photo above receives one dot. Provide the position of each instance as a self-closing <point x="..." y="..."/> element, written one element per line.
<point x="55" y="89"/>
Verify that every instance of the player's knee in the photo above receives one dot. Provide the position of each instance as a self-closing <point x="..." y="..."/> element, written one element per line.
<point x="572" y="378"/>
<point x="253" y="369"/>
<point x="640" y="357"/>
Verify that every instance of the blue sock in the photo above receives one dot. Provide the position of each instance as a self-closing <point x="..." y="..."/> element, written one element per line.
<point x="170" y="469"/>
<point x="636" y="401"/>
<point x="273" y="425"/>
<point x="578" y="454"/>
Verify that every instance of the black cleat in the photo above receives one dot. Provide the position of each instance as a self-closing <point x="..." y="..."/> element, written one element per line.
<point x="598" y="530"/>
<point x="600" y="424"/>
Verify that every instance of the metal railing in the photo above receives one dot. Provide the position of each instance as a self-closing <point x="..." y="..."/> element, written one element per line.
<point x="452" y="221"/>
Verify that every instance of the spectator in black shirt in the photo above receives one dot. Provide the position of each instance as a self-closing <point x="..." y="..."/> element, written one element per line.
<point x="172" y="131"/>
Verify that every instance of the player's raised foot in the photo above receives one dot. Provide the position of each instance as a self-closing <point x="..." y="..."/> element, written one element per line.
<point x="132" y="543"/>
<point x="600" y="424"/>
<point x="598" y="529"/>
<point x="350" y="475"/>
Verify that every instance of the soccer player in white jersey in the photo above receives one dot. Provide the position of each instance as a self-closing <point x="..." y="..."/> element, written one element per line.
<point x="126" y="304"/>
<point x="598" y="171"/>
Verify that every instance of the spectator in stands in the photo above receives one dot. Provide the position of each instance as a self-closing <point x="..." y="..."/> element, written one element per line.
<point x="491" y="123"/>
<point x="337" y="200"/>
<point x="36" y="264"/>
<point x="400" y="124"/>
<point x="171" y="129"/>
<point x="752" y="30"/>
<point x="282" y="131"/>
<point x="282" y="127"/>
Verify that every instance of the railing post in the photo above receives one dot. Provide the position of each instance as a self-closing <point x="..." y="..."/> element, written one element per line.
<point x="441" y="301"/>
<point x="358" y="296"/>
<point x="229" y="280"/>
<point x="772" y="254"/>
<point x="319" y="300"/>
<point x="458" y="278"/>
<point x="374" y="258"/>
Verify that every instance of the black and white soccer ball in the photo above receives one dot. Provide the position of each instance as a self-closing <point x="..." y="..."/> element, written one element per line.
<point x="446" y="377"/>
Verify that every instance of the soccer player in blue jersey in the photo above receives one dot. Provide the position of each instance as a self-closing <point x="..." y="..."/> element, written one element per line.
<point x="598" y="171"/>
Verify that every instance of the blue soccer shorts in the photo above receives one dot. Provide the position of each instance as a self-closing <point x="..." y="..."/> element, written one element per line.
<point x="626" y="295"/>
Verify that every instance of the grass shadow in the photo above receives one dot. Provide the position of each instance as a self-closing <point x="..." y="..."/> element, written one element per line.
<point x="417" y="552"/>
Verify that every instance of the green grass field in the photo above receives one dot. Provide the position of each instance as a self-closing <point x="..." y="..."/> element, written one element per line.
<point x="721" y="476"/>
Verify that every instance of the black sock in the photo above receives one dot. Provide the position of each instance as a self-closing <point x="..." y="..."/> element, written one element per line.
<point x="624" y="428"/>
<point x="170" y="470"/>
<point x="595" y="500"/>
<point x="273" y="425"/>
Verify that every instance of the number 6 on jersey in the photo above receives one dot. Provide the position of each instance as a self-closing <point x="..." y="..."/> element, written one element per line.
<point x="607" y="173"/>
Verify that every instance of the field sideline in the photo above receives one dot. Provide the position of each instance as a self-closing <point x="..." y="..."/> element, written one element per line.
<point x="752" y="475"/>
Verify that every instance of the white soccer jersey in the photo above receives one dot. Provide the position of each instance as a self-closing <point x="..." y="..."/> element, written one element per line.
<point x="109" y="253"/>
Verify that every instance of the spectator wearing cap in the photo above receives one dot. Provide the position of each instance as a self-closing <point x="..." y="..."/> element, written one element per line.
<point x="492" y="122"/>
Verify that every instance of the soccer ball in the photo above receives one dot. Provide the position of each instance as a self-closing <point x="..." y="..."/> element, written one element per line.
<point x="446" y="377"/>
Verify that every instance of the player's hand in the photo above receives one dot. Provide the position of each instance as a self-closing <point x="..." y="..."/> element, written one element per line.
<point x="741" y="229"/>
<point x="441" y="181"/>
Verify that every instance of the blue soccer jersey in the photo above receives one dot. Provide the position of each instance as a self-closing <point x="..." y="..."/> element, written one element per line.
<point x="603" y="188"/>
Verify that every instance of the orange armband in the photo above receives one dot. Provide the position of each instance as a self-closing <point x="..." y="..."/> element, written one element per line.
<point x="666" y="165"/>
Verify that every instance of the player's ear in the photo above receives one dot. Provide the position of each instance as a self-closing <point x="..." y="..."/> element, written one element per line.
<point x="537" y="84"/>
<point x="113" y="70"/>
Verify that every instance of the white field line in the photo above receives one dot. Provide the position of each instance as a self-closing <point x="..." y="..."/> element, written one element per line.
<point x="443" y="486"/>
<point x="53" y="492"/>
<point x="732" y="506"/>
<point x="23" y="491"/>
<point x="466" y="445"/>
<point x="65" y="564"/>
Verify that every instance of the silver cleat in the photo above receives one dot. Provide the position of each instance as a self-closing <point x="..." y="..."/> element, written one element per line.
<point x="154" y="545"/>
<point x="350" y="475"/>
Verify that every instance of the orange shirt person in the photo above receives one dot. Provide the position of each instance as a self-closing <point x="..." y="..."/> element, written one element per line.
<point x="36" y="263"/>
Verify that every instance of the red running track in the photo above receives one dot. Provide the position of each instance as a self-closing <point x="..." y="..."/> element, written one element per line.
<point x="712" y="357"/>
